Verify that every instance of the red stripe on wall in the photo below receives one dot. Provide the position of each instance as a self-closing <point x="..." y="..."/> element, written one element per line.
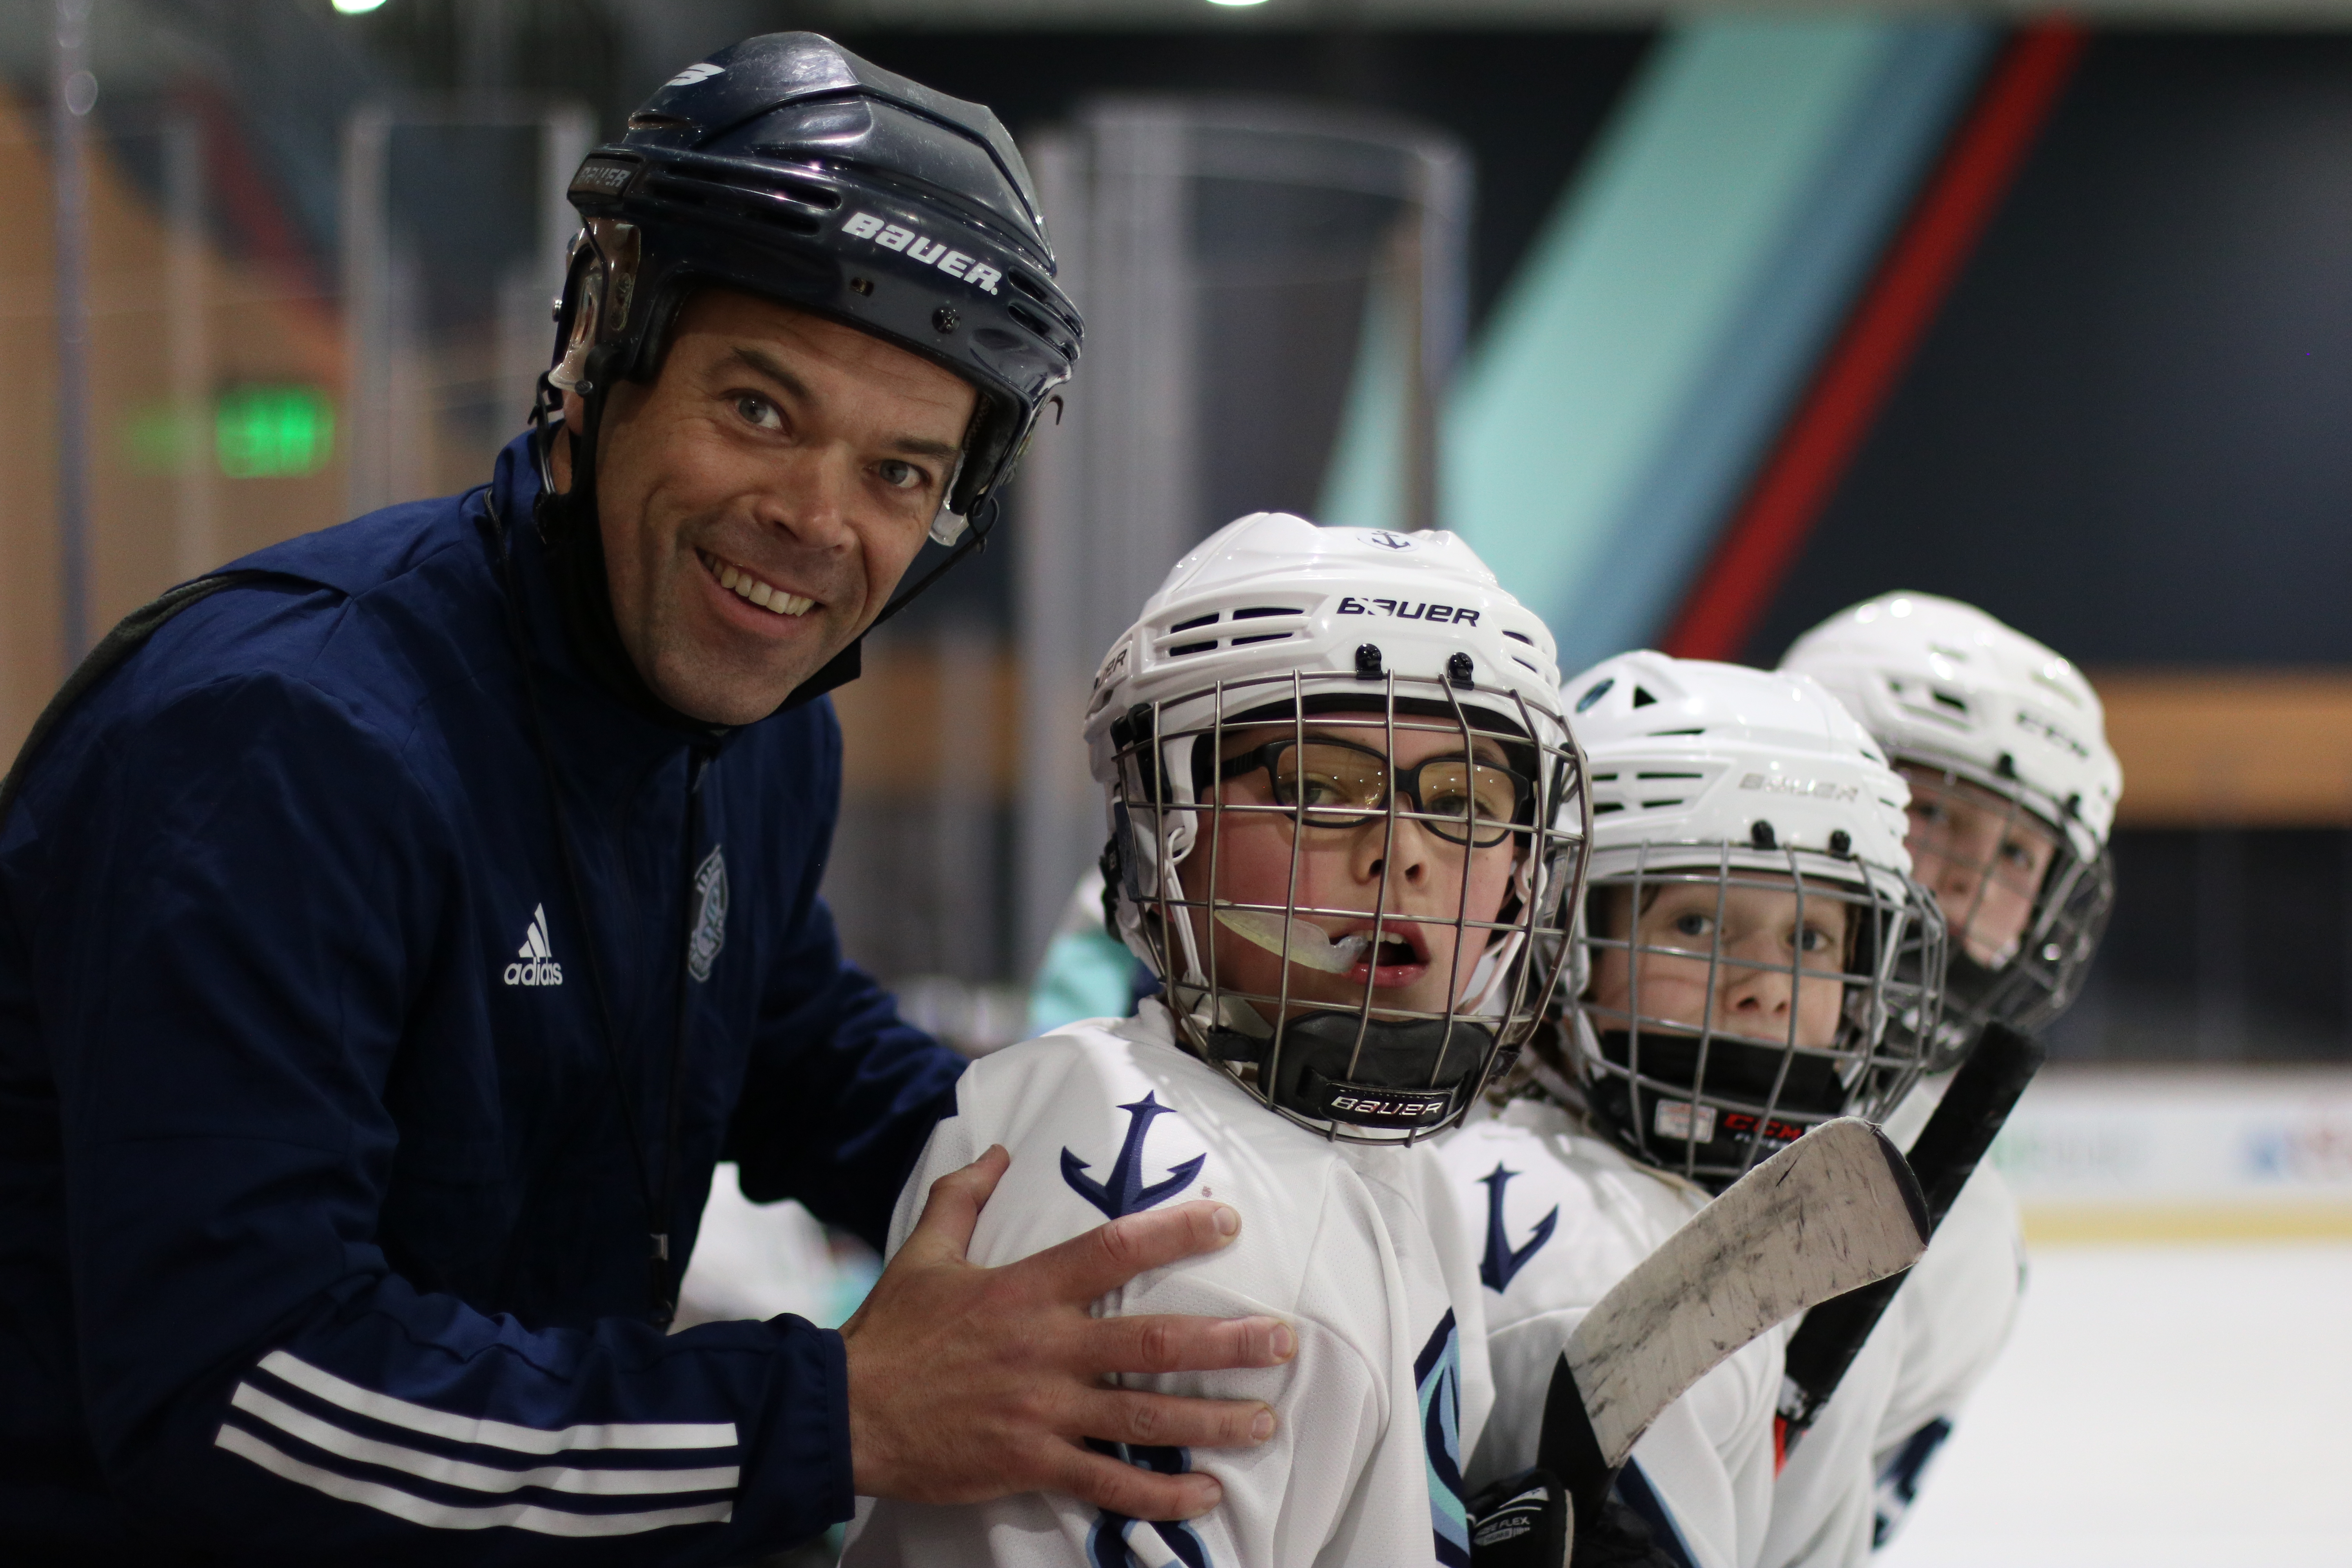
<point x="1761" y="544"/>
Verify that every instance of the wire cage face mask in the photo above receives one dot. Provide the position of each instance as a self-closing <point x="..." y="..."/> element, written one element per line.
<point x="1353" y="888"/>
<point x="1729" y="997"/>
<point x="2024" y="907"/>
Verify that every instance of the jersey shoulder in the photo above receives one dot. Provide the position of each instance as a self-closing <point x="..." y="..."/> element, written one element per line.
<point x="1106" y="1118"/>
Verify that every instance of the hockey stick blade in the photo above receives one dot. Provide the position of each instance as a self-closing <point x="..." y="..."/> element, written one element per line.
<point x="1944" y="1156"/>
<point x="1835" y="1210"/>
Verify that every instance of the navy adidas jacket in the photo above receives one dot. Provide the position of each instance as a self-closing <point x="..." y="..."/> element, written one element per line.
<point x="322" y="1239"/>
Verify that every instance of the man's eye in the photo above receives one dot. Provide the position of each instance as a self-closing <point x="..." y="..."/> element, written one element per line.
<point x="1690" y="925"/>
<point x="757" y="411"/>
<point x="1813" y="939"/>
<point x="901" y="475"/>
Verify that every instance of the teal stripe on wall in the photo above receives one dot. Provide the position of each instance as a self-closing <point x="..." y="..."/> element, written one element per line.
<point x="1645" y="355"/>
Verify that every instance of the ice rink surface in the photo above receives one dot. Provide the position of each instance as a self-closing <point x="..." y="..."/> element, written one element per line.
<point x="2159" y="1406"/>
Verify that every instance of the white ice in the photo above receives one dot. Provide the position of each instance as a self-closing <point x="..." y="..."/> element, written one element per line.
<point x="2158" y="1406"/>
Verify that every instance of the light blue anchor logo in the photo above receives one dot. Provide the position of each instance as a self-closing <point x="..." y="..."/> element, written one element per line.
<point x="1501" y="1261"/>
<point x="1124" y="1193"/>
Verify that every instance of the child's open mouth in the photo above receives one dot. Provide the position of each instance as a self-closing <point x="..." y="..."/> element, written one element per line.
<point x="1398" y="957"/>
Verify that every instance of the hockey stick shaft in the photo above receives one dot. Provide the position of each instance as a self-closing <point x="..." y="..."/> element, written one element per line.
<point x="1835" y="1209"/>
<point x="1945" y="1155"/>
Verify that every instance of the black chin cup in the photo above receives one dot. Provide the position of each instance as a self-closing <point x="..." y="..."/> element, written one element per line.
<point x="1736" y="1071"/>
<point x="1409" y="1075"/>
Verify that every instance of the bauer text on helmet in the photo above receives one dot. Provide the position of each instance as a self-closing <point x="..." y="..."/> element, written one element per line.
<point x="1342" y="842"/>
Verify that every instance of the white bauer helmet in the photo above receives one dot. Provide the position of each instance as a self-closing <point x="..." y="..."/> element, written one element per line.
<point x="1977" y="713"/>
<point x="1709" y="781"/>
<point x="1274" y="621"/>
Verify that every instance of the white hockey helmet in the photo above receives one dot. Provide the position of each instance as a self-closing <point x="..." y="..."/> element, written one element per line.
<point x="1982" y="716"/>
<point x="1274" y="621"/>
<point x="1711" y="782"/>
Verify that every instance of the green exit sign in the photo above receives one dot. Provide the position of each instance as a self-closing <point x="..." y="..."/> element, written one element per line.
<point x="273" y="432"/>
<point x="258" y="433"/>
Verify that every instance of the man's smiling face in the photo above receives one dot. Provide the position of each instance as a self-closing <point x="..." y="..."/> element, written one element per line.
<point x="761" y="499"/>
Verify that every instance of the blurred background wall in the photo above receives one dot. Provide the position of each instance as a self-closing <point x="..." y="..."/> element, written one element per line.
<point x="1699" y="326"/>
<point x="1700" y="322"/>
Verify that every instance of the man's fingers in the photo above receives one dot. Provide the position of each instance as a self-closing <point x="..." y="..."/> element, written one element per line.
<point x="1139" y="1493"/>
<point x="1167" y="1421"/>
<point x="1165" y="1343"/>
<point x="1108" y="1255"/>
<point x="944" y="1233"/>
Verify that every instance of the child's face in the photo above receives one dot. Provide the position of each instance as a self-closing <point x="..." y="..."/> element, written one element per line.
<point x="1760" y="941"/>
<point x="1367" y="863"/>
<point x="1982" y="856"/>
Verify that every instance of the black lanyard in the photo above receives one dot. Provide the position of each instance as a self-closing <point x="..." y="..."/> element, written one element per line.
<point x="661" y="1273"/>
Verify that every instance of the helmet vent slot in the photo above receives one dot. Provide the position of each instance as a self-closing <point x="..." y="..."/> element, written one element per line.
<point x="644" y="121"/>
<point x="1263" y="636"/>
<point x="1182" y="648"/>
<point x="821" y="197"/>
<point x="1196" y="621"/>
<point x="1642" y="698"/>
<point x="1519" y="637"/>
<point x="769" y="207"/>
<point x="1259" y="612"/>
<point x="1670" y="776"/>
<point x="1036" y="323"/>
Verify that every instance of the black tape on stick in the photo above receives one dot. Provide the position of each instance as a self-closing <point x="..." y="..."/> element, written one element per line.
<point x="1946" y="1154"/>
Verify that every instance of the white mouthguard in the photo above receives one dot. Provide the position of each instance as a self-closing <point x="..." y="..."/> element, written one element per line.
<point x="1307" y="944"/>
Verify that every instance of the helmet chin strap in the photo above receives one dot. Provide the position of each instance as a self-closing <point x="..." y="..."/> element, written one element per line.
<point x="568" y="527"/>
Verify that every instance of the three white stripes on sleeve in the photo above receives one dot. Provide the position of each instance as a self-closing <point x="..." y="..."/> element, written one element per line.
<point x="498" y="1439"/>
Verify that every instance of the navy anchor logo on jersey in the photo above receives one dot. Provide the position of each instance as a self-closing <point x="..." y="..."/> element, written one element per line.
<point x="1502" y="1261"/>
<point x="1124" y="1193"/>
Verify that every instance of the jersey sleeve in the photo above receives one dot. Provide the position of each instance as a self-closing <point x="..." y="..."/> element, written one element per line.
<point x="224" y="950"/>
<point x="1957" y="1308"/>
<point x="1823" y="1507"/>
<point x="1315" y="1492"/>
<point x="840" y="1092"/>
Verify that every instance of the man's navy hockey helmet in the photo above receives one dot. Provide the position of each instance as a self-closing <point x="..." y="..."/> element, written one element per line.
<point x="788" y="168"/>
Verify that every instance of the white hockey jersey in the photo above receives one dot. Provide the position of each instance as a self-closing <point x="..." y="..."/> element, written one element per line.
<point x="1565" y="1216"/>
<point x="1357" y="1247"/>
<point x="1852" y="1477"/>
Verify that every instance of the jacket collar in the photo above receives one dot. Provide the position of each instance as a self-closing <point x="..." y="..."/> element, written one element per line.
<point x="595" y="731"/>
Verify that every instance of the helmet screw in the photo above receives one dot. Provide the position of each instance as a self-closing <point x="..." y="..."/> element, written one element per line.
<point x="945" y="318"/>
<point x="1762" y="837"/>
<point x="862" y="285"/>
<point x="1367" y="661"/>
<point x="1457" y="670"/>
<point x="1841" y="842"/>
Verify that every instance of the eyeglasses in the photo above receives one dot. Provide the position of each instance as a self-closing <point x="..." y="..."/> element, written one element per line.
<point x="1341" y="786"/>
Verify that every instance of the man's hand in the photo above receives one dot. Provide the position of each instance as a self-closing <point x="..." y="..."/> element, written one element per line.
<point x="966" y="1383"/>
